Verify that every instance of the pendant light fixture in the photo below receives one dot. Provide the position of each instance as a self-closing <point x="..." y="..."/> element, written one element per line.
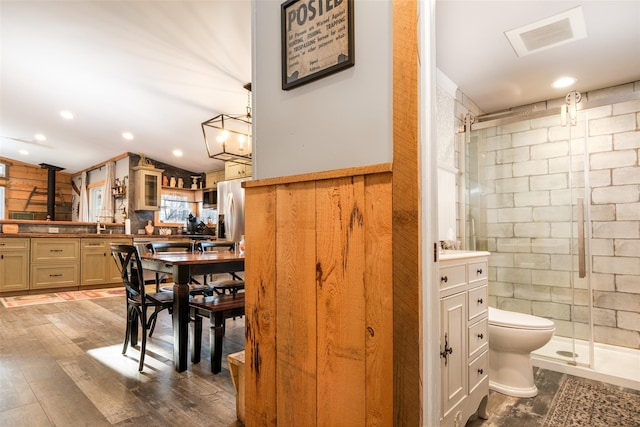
<point x="228" y="137"/>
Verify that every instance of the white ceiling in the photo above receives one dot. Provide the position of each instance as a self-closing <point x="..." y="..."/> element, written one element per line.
<point x="473" y="51"/>
<point x="160" y="68"/>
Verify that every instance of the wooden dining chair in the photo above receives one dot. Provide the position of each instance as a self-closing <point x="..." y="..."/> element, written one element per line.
<point x="127" y="259"/>
<point x="220" y="287"/>
<point x="195" y="287"/>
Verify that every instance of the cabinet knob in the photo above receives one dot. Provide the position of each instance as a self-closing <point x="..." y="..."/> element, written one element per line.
<point x="480" y="300"/>
<point x="481" y="336"/>
<point x="444" y="279"/>
<point x="480" y="371"/>
<point x="479" y="271"/>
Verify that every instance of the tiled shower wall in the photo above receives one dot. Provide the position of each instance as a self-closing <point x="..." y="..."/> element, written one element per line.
<point x="524" y="219"/>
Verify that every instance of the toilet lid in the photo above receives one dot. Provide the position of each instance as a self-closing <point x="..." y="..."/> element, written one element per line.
<point x="512" y="319"/>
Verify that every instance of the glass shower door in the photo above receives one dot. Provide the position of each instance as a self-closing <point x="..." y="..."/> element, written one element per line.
<point x="525" y="180"/>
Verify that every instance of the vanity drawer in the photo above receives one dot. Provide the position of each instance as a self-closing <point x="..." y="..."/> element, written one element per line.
<point x="477" y="338"/>
<point x="478" y="301"/>
<point x="13" y="244"/>
<point x="478" y="370"/>
<point x="453" y="275"/>
<point x="477" y="271"/>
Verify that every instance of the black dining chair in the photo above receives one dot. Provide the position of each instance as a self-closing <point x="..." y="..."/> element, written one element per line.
<point x="220" y="287"/>
<point x="195" y="287"/>
<point x="127" y="259"/>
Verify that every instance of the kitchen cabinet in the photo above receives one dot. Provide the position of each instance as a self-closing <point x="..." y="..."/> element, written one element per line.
<point x="14" y="264"/>
<point x="464" y="342"/>
<point x="236" y="170"/>
<point x="148" y="185"/>
<point x="97" y="264"/>
<point x="55" y="262"/>
<point x="214" y="177"/>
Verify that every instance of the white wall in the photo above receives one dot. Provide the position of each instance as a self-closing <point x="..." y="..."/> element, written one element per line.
<point x="340" y="121"/>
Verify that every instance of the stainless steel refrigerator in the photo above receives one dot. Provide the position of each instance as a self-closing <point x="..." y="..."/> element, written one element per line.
<point x="231" y="206"/>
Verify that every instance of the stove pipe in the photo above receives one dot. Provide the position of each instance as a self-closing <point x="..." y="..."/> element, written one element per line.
<point x="51" y="189"/>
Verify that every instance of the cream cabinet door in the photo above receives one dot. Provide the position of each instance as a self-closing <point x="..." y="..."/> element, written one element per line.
<point x="14" y="271"/>
<point x="453" y="351"/>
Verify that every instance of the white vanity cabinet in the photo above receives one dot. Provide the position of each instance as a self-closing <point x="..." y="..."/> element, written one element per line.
<point x="464" y="342"/>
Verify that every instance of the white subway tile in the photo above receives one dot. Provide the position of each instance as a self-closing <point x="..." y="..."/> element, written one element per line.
<point x="626" y="140"/>
<point x="501" y="289"/>
<point x="551" y="310"/>
<point x="603" y="247"/>
<point x="600" y="178"/>
<point x="550" y="246"/>
<point x="617" y="194"/>
<point x="628" y="211"/>
<point x="630" y="175"/>
<point x="532" y="292"/>
<point x="517" y="305"/>
<point x="628" y="248"/>
<point x="598" y="144"/>
<point x="512" y="155"/>
<point x="552" y="213"/>
<point x="499" y="200"/>
<point x="617" y="301"/>
<point x="534" y="261"/>
<point x="628" y="284"/>
<point x="629" y="320"/>
<point x="531" y="198"/>
<point x="561" y="279"/>
<point x="498" y="142"/>
<point x="616" y="336"/>
<point x="513" y="245"/>
<point x="513" y="127"/>
<point x="531" y="167"/>
<point x="549" y="150"/>
<point x="498" y="171"/>
<point x="613" y="124"/>
<point x="500" y="230"/>
<point x="616" y="229"/>
<point x="617" y="265"/>
<point x="549" y="182"/>
<point x="613" y="159"/>
<point x="515" y="215"/>
<point x="626" y="107"/>
<point x="531" y="137"/>
<point x="603" y="281"/>
<point x="604" y="212"/>
<point x="512" y="185"/>
<point x="539" y="229"/>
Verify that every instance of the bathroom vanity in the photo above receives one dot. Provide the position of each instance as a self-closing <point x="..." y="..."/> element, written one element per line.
<point x="464" y="343"/>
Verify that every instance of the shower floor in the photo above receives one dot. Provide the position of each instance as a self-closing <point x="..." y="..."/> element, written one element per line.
<point x="614" y="365"/>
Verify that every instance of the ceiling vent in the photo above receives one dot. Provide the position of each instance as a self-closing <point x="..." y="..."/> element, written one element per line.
<point x="563" y="28"/>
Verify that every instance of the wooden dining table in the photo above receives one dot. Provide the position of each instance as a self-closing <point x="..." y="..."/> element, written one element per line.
<point x="182" y="266"/>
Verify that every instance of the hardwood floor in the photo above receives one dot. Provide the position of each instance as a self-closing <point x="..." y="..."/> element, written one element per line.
<point x="61" y="365"/>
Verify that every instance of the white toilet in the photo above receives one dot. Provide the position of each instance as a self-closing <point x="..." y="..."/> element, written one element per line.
<point x="512" y="338"/>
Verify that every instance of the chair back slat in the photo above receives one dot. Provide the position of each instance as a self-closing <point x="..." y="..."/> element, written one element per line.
<point x="203" y="246"/>
<point x="127" y="259"/>
<point x="170" y="246"/>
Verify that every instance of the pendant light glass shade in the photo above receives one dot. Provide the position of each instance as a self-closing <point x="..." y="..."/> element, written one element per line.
<point x="228" y="137"/>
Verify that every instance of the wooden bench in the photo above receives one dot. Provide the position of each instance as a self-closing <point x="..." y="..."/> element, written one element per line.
<point x="217" y="308"/>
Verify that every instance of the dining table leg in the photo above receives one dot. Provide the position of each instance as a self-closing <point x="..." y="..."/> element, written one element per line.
<point x="180" y="325"/>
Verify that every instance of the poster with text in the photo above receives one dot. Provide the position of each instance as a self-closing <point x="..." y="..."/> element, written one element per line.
<point x="317" y="39"/>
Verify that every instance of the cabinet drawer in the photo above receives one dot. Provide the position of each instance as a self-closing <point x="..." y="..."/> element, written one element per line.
<point x="453" y="275"/>
<point x="13" y="244"/>
<point x="478" y="301"/>
<point x="94" y="244"/>
<point x="57" y="276"/>
<point x="55" y="250"/>
<point x="477" y="338"/>
<point x="478" y="370"/>
<point x="477" y="271"/>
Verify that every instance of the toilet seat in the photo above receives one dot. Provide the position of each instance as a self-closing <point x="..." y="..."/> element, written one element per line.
<point x="510" y="319"/>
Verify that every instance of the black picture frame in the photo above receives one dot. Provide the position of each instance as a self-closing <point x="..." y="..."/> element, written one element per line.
<point x="317" y="39"/>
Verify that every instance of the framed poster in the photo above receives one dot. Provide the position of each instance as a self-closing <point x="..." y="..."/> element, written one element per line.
<point x="317" y="39"/>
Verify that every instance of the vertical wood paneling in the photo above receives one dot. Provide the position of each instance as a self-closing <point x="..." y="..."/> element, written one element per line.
<point x="319" y="339"/>
<point x="378" y="281"/>
<point x="296" y="299"/>
<point x="406" y="219"/>
<point x="260" y="307"/>
<point x="341" y="305"/>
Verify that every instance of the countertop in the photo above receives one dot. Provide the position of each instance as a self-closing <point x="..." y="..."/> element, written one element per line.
<point x="450" y="254"/>
<point x="105" y="235"/>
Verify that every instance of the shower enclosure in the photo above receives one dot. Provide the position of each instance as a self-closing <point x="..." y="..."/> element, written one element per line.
<point x="554" y="196"/>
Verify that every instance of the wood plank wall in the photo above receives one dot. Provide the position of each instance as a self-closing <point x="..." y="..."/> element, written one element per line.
<point x="408" y="375"/>
<point x="319" y="299"/>
<point x="21" y="180"/>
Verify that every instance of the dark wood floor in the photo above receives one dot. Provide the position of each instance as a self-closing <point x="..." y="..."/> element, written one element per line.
<point x="61" y="365"/>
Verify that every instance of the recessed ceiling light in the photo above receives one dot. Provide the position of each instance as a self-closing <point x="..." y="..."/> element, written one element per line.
<point x="24" y="152"/>
<point x="563" y="82"/>
<point x="40" y="137"/>
<point x="177" y="153"/>
<point x="66" y="114"/>
<point x="127" y="135"/>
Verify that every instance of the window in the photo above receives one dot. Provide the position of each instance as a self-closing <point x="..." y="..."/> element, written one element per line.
<point x="175" y="208"/>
